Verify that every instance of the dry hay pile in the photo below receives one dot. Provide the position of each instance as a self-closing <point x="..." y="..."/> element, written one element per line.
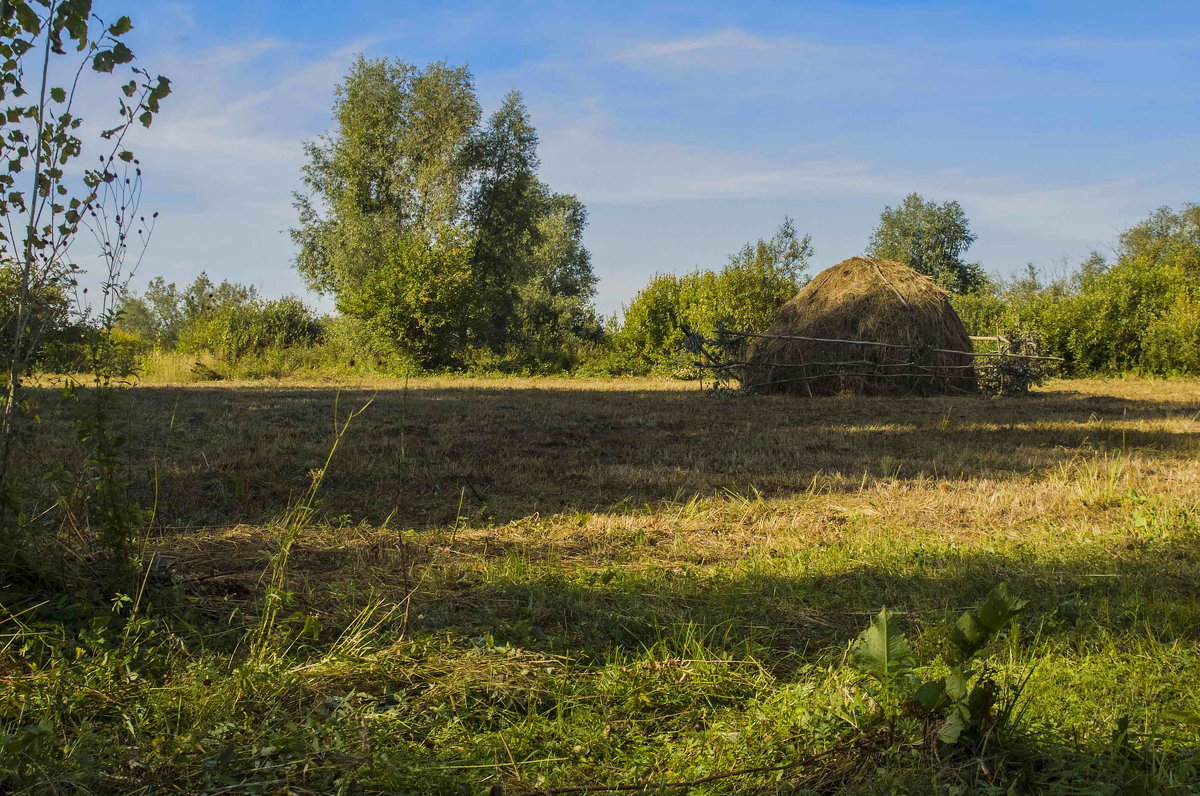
<point x="863" y="299"/>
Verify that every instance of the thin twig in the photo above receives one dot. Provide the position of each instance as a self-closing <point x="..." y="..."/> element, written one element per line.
<point x="881" y="345"/>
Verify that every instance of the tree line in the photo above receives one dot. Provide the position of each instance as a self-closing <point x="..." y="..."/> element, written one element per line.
<point x="442" y="249"/>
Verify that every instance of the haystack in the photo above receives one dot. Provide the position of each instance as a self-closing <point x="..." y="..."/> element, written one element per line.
<point x="865" y="301"/>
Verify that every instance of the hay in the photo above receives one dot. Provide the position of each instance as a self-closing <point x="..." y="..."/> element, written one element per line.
<point x="863" y="299"/>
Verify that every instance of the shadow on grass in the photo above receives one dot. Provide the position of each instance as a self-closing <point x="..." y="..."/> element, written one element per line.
<point x="805" y="606"/>
<point x="791" y="607"/>
<point x="425" y="456"/>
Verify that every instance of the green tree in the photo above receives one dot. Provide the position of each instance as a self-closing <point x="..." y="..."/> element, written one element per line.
<point x="930" y="238"/>
<point x="759" y="278"/>
<point x="415" y="295"/>
<point x="48" y="305"/>
<point x="427" y="224"/>
<point x="504" y="212"/>
<point x="744" y="295"/>
<point x="391" y="182"/>
<point x="163" y="310"/>
<point x="202" y="296"/>
<point x="554" y="310"/>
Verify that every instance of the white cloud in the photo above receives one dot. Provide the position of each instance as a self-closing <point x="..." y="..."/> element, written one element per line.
<point x="1070" y="216"/>
<point x="224" y="156"/>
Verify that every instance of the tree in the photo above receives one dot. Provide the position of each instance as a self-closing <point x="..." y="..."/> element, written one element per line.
<point x="554" y="310"/>
<point x="930" y="238"/>
<point x="744" y="296"/>
<point x="504" y="210"/>
<point x="48" y="306"/>
<point x="422" y="222"/>
<point x="40" y="142"/>
<point x="163" y="310"/>
<point x="387" y="185"/>
<point x="762" y="276"/>
<point x="46" y="196"/>
<point x="1166" y="238"/>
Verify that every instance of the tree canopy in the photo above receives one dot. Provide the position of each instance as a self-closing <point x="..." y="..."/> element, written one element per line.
<point x="429" y="223"/>
<point x="931" y="238"/>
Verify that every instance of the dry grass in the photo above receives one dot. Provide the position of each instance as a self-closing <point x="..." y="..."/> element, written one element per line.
<point x="511" y="449"/>
<point x="653" y="474"/>
<point x="861" y="298"/>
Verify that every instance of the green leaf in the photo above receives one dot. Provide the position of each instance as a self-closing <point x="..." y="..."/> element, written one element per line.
<point x="932" y="696"/>
<point x="121" y="53"/>
<point x="73" y="15"/>
<point x="882" y="651"/>
<point x="953" y="727"/>
<point x="125" y="155"/>
<point x="160" y="90"/>
<point x="105" y="60"/>
<point x="27" y="18"/>
<point x="58" y="94"/>
<point x="146" y="118"/>
<point x="121" y="26"/>
<point x="976" y="628"/>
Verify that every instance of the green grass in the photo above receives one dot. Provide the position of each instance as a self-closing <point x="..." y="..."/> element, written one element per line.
<point x="542" y="584"/>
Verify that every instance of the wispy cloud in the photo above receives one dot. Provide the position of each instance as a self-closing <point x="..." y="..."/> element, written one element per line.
<point x="721" y="44"/>
<point x="223" y="158"/>
<point x="608" y="169"/>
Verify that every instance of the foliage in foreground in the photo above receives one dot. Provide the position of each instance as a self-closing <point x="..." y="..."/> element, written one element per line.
<point x="169" y="698"/>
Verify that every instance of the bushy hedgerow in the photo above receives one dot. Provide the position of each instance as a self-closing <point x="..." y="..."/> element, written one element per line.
<point x="1139" y="314"/>
<point x="744" y="296"/>
<point x="237" y="330"/>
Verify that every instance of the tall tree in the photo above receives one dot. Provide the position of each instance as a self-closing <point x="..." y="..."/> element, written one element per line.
<point x="931" y="238"/>
<point x="420" y="220"/>
<point x="504" y="209"/>
<point x="554" y="306"/>
<point x="396" y="164"/>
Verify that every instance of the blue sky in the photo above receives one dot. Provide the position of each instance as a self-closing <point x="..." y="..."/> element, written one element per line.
<point x="689" y="128"/>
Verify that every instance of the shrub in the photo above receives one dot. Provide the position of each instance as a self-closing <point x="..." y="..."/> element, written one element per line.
<point x="744" y="295"/>
<point x="418" y="295"/>
<point x="1171" y="345"/>
<point x="234" y="331"/>
<point x="354" y="344"/>
<point x="1140" y="314"/>
<point x="983" y="312"/>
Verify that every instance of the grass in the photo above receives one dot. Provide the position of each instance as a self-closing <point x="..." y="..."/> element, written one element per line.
<point x="548" y="583"/>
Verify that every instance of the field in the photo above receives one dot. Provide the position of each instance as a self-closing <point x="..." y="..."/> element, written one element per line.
<point x="555" y="584"/>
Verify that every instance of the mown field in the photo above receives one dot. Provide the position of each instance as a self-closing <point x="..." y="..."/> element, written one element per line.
<point x="553" y="584"/>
